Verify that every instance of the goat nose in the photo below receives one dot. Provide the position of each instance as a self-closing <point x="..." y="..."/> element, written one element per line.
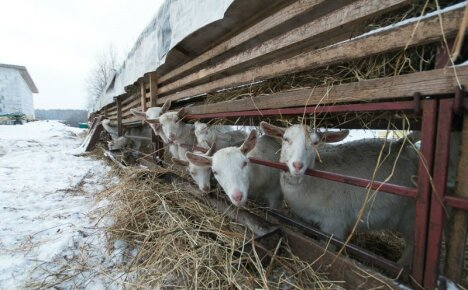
<point x="172" y="136"/>
<point x="298" y="165"/>
<point x="237" y="195"/>
<point x="206" y="188"/>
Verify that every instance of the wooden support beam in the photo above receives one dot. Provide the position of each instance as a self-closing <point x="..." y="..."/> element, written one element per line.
<point x="357" y="11"/>
<point x="153" y="84"/>
<point x="429" y="83"/>
<point x="143" y="95"/>
<point x="93" y="136"/>
<point x="454" y="264"/>
<point x="118" y="102"/>
<point x="411" y="34"/>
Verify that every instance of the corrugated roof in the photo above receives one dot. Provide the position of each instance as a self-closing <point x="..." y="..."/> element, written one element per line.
<point x="25" y="74"/>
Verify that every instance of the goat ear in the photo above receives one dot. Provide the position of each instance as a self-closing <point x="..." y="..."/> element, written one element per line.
<point x="138" y="113"/>
<point x="182" y="113"/>
<point x="272" y="130"/>
<point x="332" y="137"/>
<point x="180" y="162"/>
<point x="249" y="143"/>
<point x="198" y="160"/>
<point x="165" y="107"/>
<point x="211" y="151"/>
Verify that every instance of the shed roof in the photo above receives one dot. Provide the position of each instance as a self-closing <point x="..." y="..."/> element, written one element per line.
<point x="25" y="74"/>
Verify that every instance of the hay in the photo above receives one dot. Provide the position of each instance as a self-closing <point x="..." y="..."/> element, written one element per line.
<point x="183" y="243"/>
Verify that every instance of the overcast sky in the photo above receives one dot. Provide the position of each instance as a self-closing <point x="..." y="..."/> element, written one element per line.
<point x="59" y="40"/>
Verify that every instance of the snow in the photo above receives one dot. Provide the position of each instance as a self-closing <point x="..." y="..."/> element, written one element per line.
<point x="48" y="212"/>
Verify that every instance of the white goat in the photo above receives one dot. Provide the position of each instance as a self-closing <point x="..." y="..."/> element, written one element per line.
<point x="200" y="174"/>
<point x="177" y="132"/>
<point x="220" y="136"/>
<point x="335" y="206"/>
<point x="112" y="130"/>
<point x="151" y="116"/>
<point x="238" y="177"/>
<point x="118" y="143"/>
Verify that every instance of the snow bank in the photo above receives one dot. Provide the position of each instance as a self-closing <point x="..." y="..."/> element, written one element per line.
<point x="46" y="204"/>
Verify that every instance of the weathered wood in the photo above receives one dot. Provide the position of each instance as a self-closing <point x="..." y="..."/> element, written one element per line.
<point x="153" y="88"/>
<point x="359" y="10"/>
<point x="435" y="82"/>
<point x="94" y="134"/>
<point x="278" y="18"/>
<point x="428" y="30"/>
<point x="143" y="95"/>
<point x="133" y="104"/>
<point x="454" y="264"/>
<point x="118" y="102"/>
<point x="353" y="274"/>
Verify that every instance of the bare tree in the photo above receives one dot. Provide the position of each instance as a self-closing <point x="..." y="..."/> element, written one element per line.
<point x="101" y="74"/>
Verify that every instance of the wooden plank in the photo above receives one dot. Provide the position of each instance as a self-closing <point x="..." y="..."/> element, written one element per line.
<point x="276" y="19"/>
<point x="153" y="87"/>
<point x="353" y="12"/>
<point x="454" y="263"/>
<point x="128" y="99"/>
<point x="338" y="268"/>
<point x="143" y="95"/>
<point x="428" y="30"/>
<point x="134" y="104"/>
<point x="118" y="102"/>
<point x="95" y="133"/>
<point x="435" y="82"/>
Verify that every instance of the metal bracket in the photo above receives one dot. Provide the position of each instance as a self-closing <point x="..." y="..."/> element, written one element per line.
<point x="459" y="100"/>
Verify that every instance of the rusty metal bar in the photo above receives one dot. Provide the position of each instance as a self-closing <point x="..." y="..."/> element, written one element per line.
<point x="361" y="182"/>
<point x="437" y="213"/>
<point x="456" y="202"/>
<point x="391" y="267"/>
<point x="428" y="133"/>
<point x="386" y="106"/>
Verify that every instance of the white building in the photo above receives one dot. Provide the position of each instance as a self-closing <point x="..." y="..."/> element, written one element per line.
<point x="16" y="89"/>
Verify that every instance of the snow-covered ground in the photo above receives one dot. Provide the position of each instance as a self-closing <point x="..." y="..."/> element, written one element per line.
<point x="48" y="216"/>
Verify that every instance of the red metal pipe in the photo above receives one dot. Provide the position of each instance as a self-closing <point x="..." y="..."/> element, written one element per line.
<point x="361" y="182"/>
<point x="387" y="106"/>
<point x="422" y="202"/>
<point x="436" y="217"/>
<point x="457" y="202"/>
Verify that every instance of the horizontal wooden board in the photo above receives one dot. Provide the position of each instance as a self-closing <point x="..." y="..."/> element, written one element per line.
<point x="285" y="14"/>
<point x="359" y="10"/>
<point x="435" y="82"/>
<point x="411" y="34"/>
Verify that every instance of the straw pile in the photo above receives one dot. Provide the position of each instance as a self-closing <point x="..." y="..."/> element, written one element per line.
<point x="183" y="243"/>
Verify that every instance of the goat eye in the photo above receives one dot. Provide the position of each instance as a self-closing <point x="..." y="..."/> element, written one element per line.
<point x="286" y="140"/>
<point x="244" y="164"/>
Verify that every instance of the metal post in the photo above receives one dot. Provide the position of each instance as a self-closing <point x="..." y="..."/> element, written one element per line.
<point x="437" y="212"/>
<point x="423" y="200"/>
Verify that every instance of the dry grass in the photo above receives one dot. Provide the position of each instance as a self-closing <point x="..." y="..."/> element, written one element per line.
<point x="183" y="243"/>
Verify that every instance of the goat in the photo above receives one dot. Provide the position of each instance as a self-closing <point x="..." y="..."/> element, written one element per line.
<point x="200" y="174"/>
<point x="220" y="136"/>
<point x="241" y="179"/>
<point x="151" y="116"/>
<point x="112" y="130"/>
<point x="335" y="206"/>
<point x="118" y="143"/>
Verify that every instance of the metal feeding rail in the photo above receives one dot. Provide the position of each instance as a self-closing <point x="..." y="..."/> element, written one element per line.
<point x="426" y="238"/>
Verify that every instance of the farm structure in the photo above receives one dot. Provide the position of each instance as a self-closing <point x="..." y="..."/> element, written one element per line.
<point x="16" y="89"/>
<point x="392" y="65"/>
